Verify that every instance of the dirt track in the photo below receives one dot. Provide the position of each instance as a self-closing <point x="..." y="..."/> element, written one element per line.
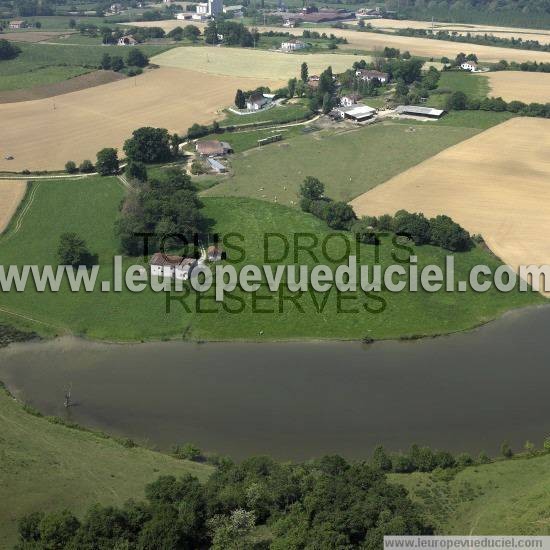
<point x="11" y="194"/>
<point x="46" y="133"/>
<point x="496" y="184"/>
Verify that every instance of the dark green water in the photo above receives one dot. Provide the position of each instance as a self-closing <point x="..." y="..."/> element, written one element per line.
<point x="465" y="392"/>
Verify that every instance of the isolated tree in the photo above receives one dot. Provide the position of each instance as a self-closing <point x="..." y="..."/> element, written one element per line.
<point x="457" y="101"/>
<point x="506" y="450"/>
<point x="312" y="189"/>
<point x="291" y="87"/>
<point x="327" y="103"/>
<point x="148" y="145"/>
<point x="105" y="63"/>
<point x="136" y="58"/>
<point x="70" y="167"/>
<point x="72" y="250"/>
<point x="176" y="34"/>
<point x="117" y="63"/>
<point x="107" y="162"/>
<point x="86" y="166"/>
<point x="136" y="170"/>
<point x="211" y="32"/>
<point x="8" y="50"/>
<point x="191" y="32"/>
<point x="240" y="99"/>
<point x="304" y="72"/>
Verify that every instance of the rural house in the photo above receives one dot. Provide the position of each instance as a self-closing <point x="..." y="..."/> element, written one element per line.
<point x="128" y="40"/>
<point x="234" y="11"/>
<point x="256" y="101"/>
<point x="367" y="75"/>
<point x="214" y="253"/>
<point x="18" y="25"/>
<point x="416" y="111"/>
<point x="469" y="66"/>
<point x="349" y="100"/>
<point x="213" y="148"/>
<point x="292" y="45"/>
<point x="175" y="267"/>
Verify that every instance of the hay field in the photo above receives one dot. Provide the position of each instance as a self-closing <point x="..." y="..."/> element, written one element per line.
<point x="425" y="47"/>
<point x="543" y="36"/>
<point x="44" y="134"/>
<point x="520" y="85"/>
<point x="496" y="183"/>
<point x="33" y="36"/>
<point x="11" y="194"/>
<point x="245" y="62"/>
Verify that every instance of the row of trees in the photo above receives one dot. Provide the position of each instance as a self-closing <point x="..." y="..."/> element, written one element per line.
<point x="107" y="164"/>
<point x="327" y="503"/>
<point x="440" y="231"/>
<point x="135" y="58"/>
<point x="234" y="34"/>
<point x="459" y="101"/>
<point x="481" y="39"/>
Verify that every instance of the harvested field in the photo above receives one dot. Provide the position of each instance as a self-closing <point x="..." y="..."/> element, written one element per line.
<point x="11" y="194"/>
<point x="44" y="134"/>
<point x="496" y="184"/>
<point x="32" y="36"/>
<point x="88" y="80"/>
<point x="521" y="85"/>
<point x="542" y="36"/>
<point x="425" y="47"/>
<point x="245" y="62"/>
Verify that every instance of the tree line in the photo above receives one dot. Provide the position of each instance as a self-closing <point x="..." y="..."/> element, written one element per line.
<point x="439" y="231"/>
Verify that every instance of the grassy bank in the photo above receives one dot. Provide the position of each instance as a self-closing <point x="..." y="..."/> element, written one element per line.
<point x="508" y="497"/>
<point x="47" y="466"/>
<point x="90" y="207"/>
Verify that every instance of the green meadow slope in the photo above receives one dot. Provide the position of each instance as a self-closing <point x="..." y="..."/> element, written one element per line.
<point x="47" y="466"/>
<point x="507" y="497"/>
<point x="89" y="207"/>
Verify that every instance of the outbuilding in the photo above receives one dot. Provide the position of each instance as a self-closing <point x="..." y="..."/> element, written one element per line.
<point x="293" y="45"/>
<point x="417" y="111"/>
<point x="368" y="75"/>
<point x="469" y="66"/>
<point x="14" y="25"/>
<point x="357" y="113"/>
<point x="170" y="266"/>
<point x="214" y="253"/>
<point x="213" y="148"/>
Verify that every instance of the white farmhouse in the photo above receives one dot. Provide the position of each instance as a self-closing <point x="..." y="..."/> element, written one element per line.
<point x="173" y="267"/>
<point x="349" y="100"/>
<point x="256" y="101"/>
<point x="293" y="45"/>
<point x="469" y="66"/>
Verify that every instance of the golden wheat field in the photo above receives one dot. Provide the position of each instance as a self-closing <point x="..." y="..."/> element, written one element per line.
<point x="523" y="86"/>
<point x="257" y="63"/>
<point x="424" y="47"/>
<point x="11" y="194"/>
<point x="496" y="184"/>
<point x="543" y="36"/>
<point x="44" y="134"/>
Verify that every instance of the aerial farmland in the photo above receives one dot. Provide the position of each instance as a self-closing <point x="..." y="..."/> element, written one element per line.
<point x="262" y="277"/>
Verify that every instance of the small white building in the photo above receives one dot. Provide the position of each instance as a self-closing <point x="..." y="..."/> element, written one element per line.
<point x="293" y="45"/>
<point x="14" y="25"/>
<point x="256" y="102"/>
<point x="469" y="66"/>
<point x="214" y="253"/>
<point x="368" y="75"/>
<point x="349" y="100"/>
<point x="127" y="41"/>
<point x="173" y="267"/>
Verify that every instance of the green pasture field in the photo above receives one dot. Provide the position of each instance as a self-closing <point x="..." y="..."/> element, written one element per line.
<point x="90" y="207"/>
<point x="349" y="162"/>
<point x="459" y="81"/>
<point x="47" y="466"/>
<point x="39" y="64"/>
<point x="279" y="114"/>
<point x="507" y="497"/>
